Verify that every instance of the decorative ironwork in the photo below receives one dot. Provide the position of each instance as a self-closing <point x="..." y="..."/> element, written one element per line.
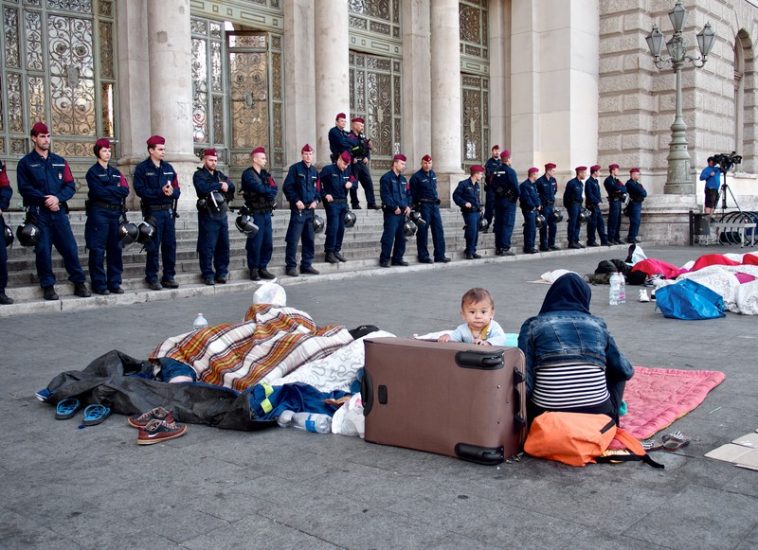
<point x="35" y="86"/>
<point x="198" y="26"/>
<point x="276" y="76"/>
<point x="215" y="31"/>
<point x="106" y="8"/>
<point x="472" y="16"/>
<point x="2" y="146"/>
<point x="379" y="28"/>
<point x="374" y="8"/>
<point x="470" y="23"/>
<point x="107" y="109"/>
<point x="106" y="49"/>
<point x="249" y="98"/>
<point x="33" y="34"/>
<point x="19" y="147"/>
<point x="199" y="71"/>
<point x="35" y="3"/>
<point x="218" y="119"/>
<point x="10" y="30"/>
<point x="72" y="148"/>
<point x="247" y="41"/>
<point x="80" y="6"/>
<point x="475" y="118"/>
<point x="216" y="74"/>
<point x="15" y="103"/>
<point x="358" y="23"/>
<point x="379" y="17"/>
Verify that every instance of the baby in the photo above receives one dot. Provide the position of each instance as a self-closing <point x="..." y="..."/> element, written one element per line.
<point x="477" y="309"/>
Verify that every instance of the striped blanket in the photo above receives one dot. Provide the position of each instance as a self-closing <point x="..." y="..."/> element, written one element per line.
<point x="271" y="342"/>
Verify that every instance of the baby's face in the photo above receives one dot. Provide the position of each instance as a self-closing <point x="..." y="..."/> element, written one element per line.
<point x="478" y="314"/>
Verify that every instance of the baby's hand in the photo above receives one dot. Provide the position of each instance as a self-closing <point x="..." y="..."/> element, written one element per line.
<point x="480" y="342"/>
<point x="444" y="338"/>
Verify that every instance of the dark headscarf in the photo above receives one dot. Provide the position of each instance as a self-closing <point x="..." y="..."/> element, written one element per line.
<point x="569" y="292"/>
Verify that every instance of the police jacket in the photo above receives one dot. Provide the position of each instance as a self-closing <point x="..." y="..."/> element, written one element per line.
<point x="206" y="182"/>
<point x="423" y="187"/>
<point x="546" y="188"/>
<point x="394" y="191"/>
<point x="492" y="168"/>
<point x="6" y="191"/>
<point x="333" y="181"/>
<point x="573" y="192"/>
<point x="529" y="199"/>
<point x="615" y="188"/>
<point x="259" y="190"/>
<point x="467" y="191"/>
<point x="338" y="141"/>
<point x="149" y="180"/>
<point x="592" y="195"/>
<point x="636" y="192"/>
<point x="359" y="146"/>
<point x="107" y="186"/>
<point x="502" y="180"/>
<point x="37" y="177"/>
<point x="301" y="184"/>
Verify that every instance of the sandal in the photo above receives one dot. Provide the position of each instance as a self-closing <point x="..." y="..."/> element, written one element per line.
<point x="67" y="408"/>
<point x="95" y="414"/>
<point x="652" y="445"/>
<point x="675" y="441"/>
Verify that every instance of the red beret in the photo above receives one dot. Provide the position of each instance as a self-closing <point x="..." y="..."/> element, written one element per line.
<point x="613" y="166"/>
<point x="210" y="152"/>
<point x="476" y="168"/>
<point x="399" y="156"/>
<point x="549" y="166"/>
<point x="357" y="119"/>
<point x="506" y="154"/>
<point x="426" y="158"/>
<point x="345" y="156"/>
<point x="340" y="115"/>
<point x="580" y="169"/>
<point x="156" y="140"/>
<point x="633" y="170"/>
<point x="306" y="149"/>
<point x="533" y="170"/>
<point x="39" y="128"/>
<point x="495" y="147"/>
<point x="595" y="168"/>
<point x="103" y="143"/>
<point x="258" y="150"/>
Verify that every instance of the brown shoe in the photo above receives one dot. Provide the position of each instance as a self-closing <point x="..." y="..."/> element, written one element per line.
<point x="156" y="431"/>
<point x="141" y="420"/>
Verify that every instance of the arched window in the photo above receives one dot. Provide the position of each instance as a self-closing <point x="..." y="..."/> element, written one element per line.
<point x="744" y="90"/>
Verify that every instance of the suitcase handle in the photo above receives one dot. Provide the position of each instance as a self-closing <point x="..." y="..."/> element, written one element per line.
<point x="479" y="360"/>
<point x="367" y="394"/>
<point x="519" y="419"/>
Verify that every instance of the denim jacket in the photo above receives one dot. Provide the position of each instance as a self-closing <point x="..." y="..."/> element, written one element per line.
<point x="561" y="337"/>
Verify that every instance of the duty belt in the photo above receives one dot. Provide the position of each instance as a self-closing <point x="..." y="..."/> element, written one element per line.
<point x="158" y="206"/>
<point x="338" y="201"/>
<point x="106" y="205"/>
<point x="549" y="203"/>
<point x="430" y="201"/>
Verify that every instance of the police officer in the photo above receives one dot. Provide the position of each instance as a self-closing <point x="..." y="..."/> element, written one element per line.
<point x="529" y="201"/>
<point x="336" y="181"/>
<point x="45" y="182"/>
<point x="616" y="191"/>
<point x="300" y="188"/>
<point x="214" y="191"/>
<point x="505" y="188"/>
<point x="108" y="190"/>
<point x="491" y="167"/>
<point x="466" y="196"/>
<point x="155" y="182"/>
<point x="423" y="186"/>
<point x="396" y="203"/>
<point x="572" y="200"/>
<point x="6" y="192"/>
<point x="637" y="195"/>
<point x="360" y="149"/>
<point x="546" y="188"/>
<point x="593" y="198"/>
<point x="338" y="141"/>
<point x="259" y="190"/>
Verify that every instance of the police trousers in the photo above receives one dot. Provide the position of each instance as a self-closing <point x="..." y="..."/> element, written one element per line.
<point x="393" y="235"/>
<point x="548" y="229"/>
<point x="260" y="246"/>
<point x="431" y="214"/>
<point x="55" y="230"/>
<point x="335" y="225"/>
<point x="102" y="239"/>
<point x="163" y="243"/>
<point x="213" y="245"/>
<point x="300" y="229"/>
<point x="362" y="174"/>
<point x="505" y="217"/>
<point x="471" y="231"/>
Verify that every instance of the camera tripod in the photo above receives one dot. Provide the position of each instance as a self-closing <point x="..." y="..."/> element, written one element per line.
<point x="723" y="191"/>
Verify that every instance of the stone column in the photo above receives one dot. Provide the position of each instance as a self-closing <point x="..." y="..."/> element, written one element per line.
<point x="446" y="94"/>
<point x="300" y="84"/>
<point x="417" y="89"/>
<point x="499" y="48"/>
<point x="170" y="49"/>
<point x="332" y="69"/>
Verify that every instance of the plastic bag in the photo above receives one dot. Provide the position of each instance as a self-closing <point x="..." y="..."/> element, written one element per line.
<point x="349" y="419"/>
<point x="689" y="300"/>
<point x="270" y="293"/>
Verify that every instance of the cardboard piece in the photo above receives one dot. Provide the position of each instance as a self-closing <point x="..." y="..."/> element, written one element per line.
<point x="742" y="451"/>
<point x="747" y="440"/>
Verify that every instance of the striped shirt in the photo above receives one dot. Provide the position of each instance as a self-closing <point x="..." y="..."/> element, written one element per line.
<point x="569" y="386"/>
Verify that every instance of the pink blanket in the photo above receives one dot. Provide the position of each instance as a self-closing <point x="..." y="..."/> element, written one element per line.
<point x="658" y="397"/>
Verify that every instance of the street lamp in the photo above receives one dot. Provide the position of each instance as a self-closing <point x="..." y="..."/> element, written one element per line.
<point x="678" y="180"/>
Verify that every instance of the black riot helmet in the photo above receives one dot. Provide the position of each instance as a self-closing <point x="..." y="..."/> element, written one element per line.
<point x="350" y="218"/>
<point x="145" y="231"/>
<point x="245" y="224"/>
<point x="28" y="232"/>
<point x="7" y="232"/>
<point x="540" y="221"/>
<point x="409" y="228"/>
<point x="483" y="224"/>
<point x="416" y="218"/>
<point x="128" y="233"/>
<point x="557" y="215"/>
<point x="584" y="215"/>
<point x="318" y="224"/>
<point x="216" y="202"/>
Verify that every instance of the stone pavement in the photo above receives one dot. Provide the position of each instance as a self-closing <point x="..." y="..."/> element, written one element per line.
<point x="95" y="488"/>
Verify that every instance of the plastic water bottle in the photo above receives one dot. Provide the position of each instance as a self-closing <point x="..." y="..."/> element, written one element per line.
<point x="615" y="290"/>
<point x="200" y="322"/>
<point x="310" y="422"/>
<point x="622" y="288"/>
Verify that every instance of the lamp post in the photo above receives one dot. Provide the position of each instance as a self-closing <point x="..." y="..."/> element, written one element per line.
<point x="678" y="181"/>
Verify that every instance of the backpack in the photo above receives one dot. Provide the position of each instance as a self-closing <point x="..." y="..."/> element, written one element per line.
<point x="689" y="300"/>
<point x="577" y="439"/>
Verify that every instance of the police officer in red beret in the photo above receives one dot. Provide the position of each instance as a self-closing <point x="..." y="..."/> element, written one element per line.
<point x="45" y="182"/>
<point x="423" y="187"/>
<point x="637" y="195"/>
<point x="259" y="190"/>
<point x="466" y="196"/>
<point x="6" y="192"/>
<point x="616" y="195"/>
<point x="338" y="137"/>
<point x="572" y="200"/>
<point x="301" y="189"/>
<point x="593" y="198"/>
<point x="108" y="190"/>
<point x="360" y="150"/>
<point x="396" y="203"/>
<point x="546" y="188"/>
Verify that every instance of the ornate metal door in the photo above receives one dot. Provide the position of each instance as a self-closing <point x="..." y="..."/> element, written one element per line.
<point x="475" y="114"/>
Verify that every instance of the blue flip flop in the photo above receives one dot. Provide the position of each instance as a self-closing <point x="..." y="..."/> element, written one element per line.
<point x="95" y="414"/>
<point x="67" y="408"/>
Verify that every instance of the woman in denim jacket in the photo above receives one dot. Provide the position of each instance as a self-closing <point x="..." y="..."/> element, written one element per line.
<point x="572" y="361"/>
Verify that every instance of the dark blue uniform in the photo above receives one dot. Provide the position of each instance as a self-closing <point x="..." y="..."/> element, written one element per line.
<point x="593" y="198"/>
<point x="107" y="191"/>
<point x="301" y="184"/>
<point x="616" y="195"/>
<point x="6" y="192"/>
<point x="37" y="177"/>
<point x="395" y="194"/>
<point x="212" y="225"/>
<point x="529" y="200"/>
<point x="492" y="169"/>
<point x="149" y="181"/>
<point x="360" y="149"/>
<point x="259" y="190"/>
<point x="505" y="187"/>
<point x="637" y="195"/>
<point x="546" y="188"/>
<point x="338" y="142"/>
<point x="333" y="182"/>
<point x="572" y="200"/>
<point x="423" y="187"/>
<point x="468" y="191"/>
